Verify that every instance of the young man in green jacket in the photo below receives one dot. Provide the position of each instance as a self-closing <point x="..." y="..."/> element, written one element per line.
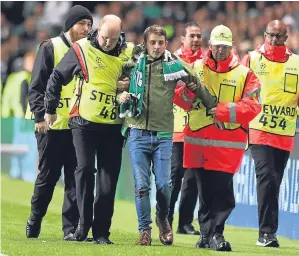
<point x="148" y="108"/>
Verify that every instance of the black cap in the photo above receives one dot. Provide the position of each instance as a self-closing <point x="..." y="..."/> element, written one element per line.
<point x="76" y="13"/>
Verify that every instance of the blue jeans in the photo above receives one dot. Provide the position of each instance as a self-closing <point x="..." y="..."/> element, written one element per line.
<point x="146" y="149"/>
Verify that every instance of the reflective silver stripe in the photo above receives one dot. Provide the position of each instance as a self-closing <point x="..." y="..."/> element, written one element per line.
<point x="215" y="143"/>
<point x="232" y="112"/>
<point x="184" y="97"/>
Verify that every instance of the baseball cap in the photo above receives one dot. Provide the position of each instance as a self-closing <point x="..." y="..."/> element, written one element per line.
<point x="221" y="35"/>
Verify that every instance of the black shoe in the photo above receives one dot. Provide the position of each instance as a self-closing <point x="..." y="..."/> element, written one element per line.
<point x="81" y="233"/>
<point x="268" y="240"/>
<point x="187" y="230"/>
<point x="70" y="236"/>
<point x="203" y="242"/>
<point x="33" y="227"/>
<point x="102" y="240"/>
<point x="218" y="243"/>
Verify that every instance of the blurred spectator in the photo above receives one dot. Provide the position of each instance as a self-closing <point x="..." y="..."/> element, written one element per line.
<point x="15" y="92"/>
<point x="99" y="12"/>
<point x="43" y="32"/>
<point x="5" y="29"/>
<point x="55" y="13"/>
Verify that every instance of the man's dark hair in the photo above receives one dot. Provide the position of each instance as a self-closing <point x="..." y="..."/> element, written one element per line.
<point x="187" y="25"/>
<point x="154" y="29"/>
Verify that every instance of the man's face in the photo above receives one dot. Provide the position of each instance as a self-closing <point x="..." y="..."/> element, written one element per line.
<point x="108" y="37"/>
<point x="156" y="45"/>
<point x="80" y="29"/>
<point x="192" y="39"/>
<point x="220" y="52"/>
<point x="275" y="36"/>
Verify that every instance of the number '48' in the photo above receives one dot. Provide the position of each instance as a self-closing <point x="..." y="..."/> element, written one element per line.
<point x="272" y="123"/>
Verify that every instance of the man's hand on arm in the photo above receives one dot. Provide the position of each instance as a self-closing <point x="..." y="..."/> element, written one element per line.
<point x="219" y="125"/>
<point x="191" y="86"/>
<point x="123" y="84"/>
<point x="125" y="97"/>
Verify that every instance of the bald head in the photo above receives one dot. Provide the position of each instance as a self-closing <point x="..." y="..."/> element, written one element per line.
<point x="277" y="25"/>
<point x="109" y="32"/>
<point x="111" y="20"/>
<point x="276" y="33"/>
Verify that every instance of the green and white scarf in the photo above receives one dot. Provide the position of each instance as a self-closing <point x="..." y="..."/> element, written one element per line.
<point x="172" y="70"/>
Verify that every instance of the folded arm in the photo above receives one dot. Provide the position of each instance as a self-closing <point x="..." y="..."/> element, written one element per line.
<point x="247" y="108"/>
<point x="63" y="74"/>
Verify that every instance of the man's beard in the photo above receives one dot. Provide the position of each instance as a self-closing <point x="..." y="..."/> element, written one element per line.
<point x="74" y="36"/>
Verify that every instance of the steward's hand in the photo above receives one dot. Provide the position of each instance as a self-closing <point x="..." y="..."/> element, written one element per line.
<point x="191" y="86"/>
<point x="219" y="125"/>
<point x="124" y="97"/>
<point x="41" y="127"/>
<point x="50" y="119"/>
<point x="123" y="85"/>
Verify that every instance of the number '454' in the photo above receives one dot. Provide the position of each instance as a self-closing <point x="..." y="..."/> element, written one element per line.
<point x="273" y="122"/>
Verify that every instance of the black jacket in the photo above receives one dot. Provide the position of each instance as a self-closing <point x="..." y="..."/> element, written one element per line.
<point x="42" y="69"/>
<point x="63" y="74"/>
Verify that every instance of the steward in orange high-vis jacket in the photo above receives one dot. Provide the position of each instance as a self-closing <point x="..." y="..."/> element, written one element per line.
<point x="215" y="141"/>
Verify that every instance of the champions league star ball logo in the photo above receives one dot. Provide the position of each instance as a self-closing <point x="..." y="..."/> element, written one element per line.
<point x="200" y="74"/>
<point x="101" y="65"/>
<point x="262" y="71"/>
<point x="262" y="66"/>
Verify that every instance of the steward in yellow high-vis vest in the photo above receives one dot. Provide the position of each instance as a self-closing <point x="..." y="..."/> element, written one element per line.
<point x="60" y="48"/>
<point x="55" y="141"/>
<point x="279" y="95"/>
<point x="95" y="125"/>
<point x="272" y="132"/>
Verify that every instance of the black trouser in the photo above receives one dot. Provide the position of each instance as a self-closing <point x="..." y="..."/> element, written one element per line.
<point x="269" y="163"/>
<point x="189" y="191"/>
<point x="216" y="199"/>
<point x="107" y="146"/>
<point x="56" y="150"/>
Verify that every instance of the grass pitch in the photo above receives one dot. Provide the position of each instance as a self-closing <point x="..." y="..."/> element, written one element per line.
<point x="15" y="204"/>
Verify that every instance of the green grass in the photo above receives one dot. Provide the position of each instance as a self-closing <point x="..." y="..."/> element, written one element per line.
<point x="15" y="203"/>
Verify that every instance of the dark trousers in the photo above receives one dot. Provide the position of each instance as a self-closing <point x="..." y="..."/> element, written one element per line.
<point x="189" y="191"/>
<point x="106" y="145"/>
<point x="216" y="199"/>
<point x="269" y="163"/>
<point x="56" y="150"/>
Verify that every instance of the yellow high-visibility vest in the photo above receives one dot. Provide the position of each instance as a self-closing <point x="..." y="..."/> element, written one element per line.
<point x="279" y="94"/>
<point x="228" y="87"/>
<point x="180" y="118"/>
<point x="63" y="109"/>
<point x="11" y="105"/>
<point x="95" y="99"/>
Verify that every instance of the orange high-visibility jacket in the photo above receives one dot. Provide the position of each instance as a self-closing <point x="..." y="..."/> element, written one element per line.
<point x="237" y="89"/>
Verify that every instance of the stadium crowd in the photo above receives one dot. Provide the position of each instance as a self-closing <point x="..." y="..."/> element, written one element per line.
<point x="25" y="24"/>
